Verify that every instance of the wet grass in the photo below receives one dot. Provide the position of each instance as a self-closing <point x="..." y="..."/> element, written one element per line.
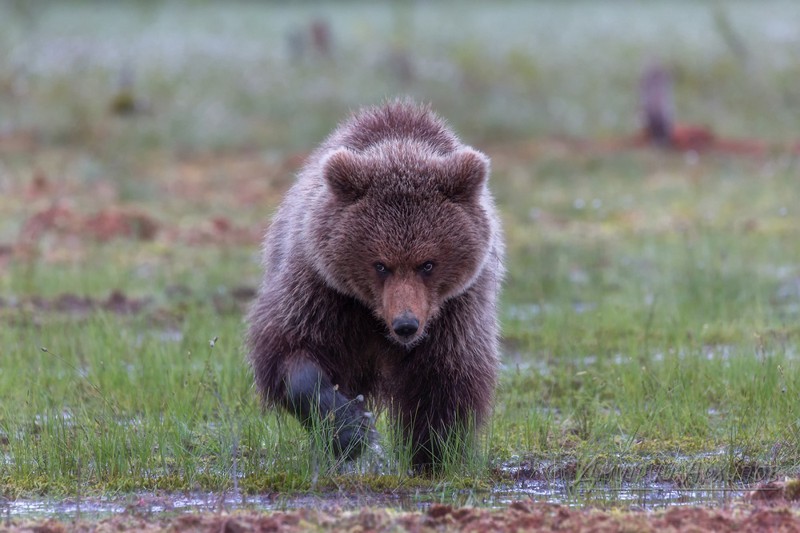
<point x="651" y="314"/>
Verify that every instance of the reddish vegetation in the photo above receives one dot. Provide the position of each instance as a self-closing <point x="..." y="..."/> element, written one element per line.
<point x="519" y="516"/>
<point x="218" y="230"/>
<point x="777" y="492"/>
<point x="39" y="186"/>
<point x="687" y="137"/>
<point x="101" y="226"/>
<point x="127" y="223"/>
<point x="116" y="302"/>
<point x="120" y="222"/>
<point x="659" y="127"/>
<point x="198" y="199"/>
<point x="18" y="141"/>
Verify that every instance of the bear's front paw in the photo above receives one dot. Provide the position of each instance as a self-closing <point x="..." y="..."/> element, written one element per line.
<point x="354" y="430"/>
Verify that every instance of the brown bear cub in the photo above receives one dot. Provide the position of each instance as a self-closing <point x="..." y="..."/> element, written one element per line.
<point x="383" y="265"/>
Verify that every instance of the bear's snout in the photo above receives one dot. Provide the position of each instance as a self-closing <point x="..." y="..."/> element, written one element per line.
<point x="405" y="306"/>
<point x="405" y="325"/>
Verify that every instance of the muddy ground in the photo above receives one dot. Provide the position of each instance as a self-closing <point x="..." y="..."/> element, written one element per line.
<point x="519" y="516"/>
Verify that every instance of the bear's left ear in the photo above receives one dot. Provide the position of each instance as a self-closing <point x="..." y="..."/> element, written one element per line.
<point x="346" y="174"/>
<point x="465" y="173"/>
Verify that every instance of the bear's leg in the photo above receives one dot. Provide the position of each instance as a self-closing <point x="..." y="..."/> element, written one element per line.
<point x="440" y="415"/>
<point x="438" y="439"/>
<point x="313" y="399"/>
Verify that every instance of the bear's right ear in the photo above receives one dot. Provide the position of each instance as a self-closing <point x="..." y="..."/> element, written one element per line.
<point x="346" y="174"/>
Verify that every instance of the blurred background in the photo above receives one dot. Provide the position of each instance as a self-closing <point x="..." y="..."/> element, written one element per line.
<point x="273" y="75"/>
<point x="108" y="90"/>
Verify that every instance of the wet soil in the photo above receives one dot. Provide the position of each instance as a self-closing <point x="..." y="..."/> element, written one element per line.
<point x="519" y="516"/>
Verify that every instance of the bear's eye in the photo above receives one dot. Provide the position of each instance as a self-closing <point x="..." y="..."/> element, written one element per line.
<point x="380" y="268"/>
<point x="426" y="267"/>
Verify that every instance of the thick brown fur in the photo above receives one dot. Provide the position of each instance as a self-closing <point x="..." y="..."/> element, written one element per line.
<point x="382" y="270"/>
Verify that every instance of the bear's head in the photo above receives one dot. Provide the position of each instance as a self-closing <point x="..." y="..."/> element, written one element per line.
<point x="402" y="228"/>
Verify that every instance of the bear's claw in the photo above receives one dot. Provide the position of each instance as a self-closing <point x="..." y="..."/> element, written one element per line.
<point x="355" y="430"/>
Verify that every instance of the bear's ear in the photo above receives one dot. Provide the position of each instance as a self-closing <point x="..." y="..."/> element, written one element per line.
<point x="346" y="174"/>
<point x="465" y="173"/>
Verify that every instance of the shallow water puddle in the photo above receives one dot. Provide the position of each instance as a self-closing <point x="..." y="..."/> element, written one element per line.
<point x="638" y="496"/>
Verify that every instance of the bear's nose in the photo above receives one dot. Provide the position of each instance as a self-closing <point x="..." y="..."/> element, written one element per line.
<point x="405" y="325"/>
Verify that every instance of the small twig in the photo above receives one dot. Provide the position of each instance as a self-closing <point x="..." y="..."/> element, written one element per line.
<point x="78" y="495"/>
<point x="206" y="368"/>
<point x="732" y="38"/>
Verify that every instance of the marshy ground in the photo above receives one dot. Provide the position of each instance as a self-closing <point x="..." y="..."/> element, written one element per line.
<point x="651" y="315"/>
